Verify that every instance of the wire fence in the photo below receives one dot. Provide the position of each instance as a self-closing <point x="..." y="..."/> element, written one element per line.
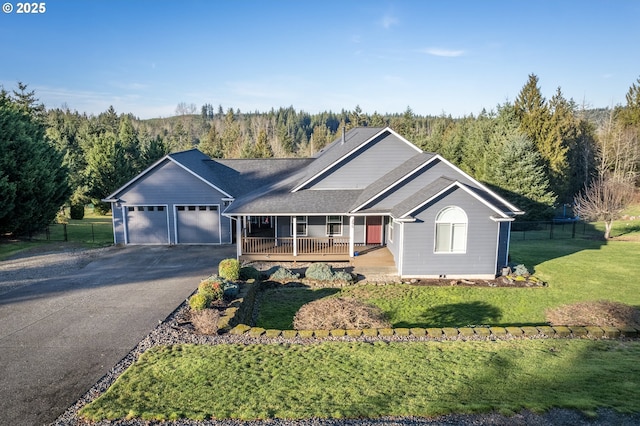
<point x="102" y="232"/>
<point x="553" y="230"/>
<point x="83" y="232"/>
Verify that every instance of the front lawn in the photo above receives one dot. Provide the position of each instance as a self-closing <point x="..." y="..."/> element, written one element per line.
<point x="340" y="379"/>
<point x="575" y="269"/>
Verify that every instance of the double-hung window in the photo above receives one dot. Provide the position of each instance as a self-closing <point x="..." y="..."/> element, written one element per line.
<point x="334" y="226"/>
<point x="451" y="231"/>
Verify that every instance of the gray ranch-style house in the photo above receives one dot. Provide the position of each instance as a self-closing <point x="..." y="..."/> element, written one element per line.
<point x="369" y="188"/>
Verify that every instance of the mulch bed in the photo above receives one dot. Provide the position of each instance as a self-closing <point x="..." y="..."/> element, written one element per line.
<point x="497" y="282"/>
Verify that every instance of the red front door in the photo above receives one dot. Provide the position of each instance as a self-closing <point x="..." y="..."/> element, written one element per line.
<point x="374" y="230"/>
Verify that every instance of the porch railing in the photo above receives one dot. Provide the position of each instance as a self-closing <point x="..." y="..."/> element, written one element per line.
<point x="306" y="245"/>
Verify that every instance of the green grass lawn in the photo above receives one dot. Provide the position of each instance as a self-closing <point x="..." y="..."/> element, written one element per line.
<point x="352" y="380"/>
<point x="576" y="270"/>
<point x="92" y="231"/>
<point x="340" y="380"/>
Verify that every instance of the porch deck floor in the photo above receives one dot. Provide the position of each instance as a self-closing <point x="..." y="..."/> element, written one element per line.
<point x="371" y="260"/>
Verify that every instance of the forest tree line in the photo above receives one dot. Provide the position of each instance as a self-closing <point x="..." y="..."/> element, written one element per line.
<point x="537" y="152"/>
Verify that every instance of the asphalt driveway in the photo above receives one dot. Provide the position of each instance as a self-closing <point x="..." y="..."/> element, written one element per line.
<point x="61" y="332"/>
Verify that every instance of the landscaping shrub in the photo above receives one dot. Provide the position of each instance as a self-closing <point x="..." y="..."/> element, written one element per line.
<point x="323" y="272"/>
<point x="339" y="313"/>
<point x="229" y="269"/>
<point x="320" y="272"/>
<point x="520" y="270"/>
<point x="205" y="321"/>
<point x="342" y="276"/>
<point x="602" y="313"/>
<point x="199" y="301"/>
<point x="278" y="273"/>
<point x="249" y="273"/>
<point x="76" y="211"/>
<point x="230" y="290"/>
<point x="212" y="288"/>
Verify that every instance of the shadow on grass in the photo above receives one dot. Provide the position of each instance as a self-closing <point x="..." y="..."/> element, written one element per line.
<point x="457" y="315"/>
<point x="534" y="252"/>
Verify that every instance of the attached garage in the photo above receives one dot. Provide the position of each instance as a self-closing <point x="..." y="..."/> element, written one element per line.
<point x="147" y="225"/>
<point x="198" y="224"/>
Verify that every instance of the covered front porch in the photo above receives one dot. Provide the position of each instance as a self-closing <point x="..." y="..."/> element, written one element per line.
<point x="307" y="238"/>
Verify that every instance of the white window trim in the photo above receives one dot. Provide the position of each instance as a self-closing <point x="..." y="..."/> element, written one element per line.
<point x="336" y="222"/>
<point x="435" y="233"/>
<point x="390" y="230"/>
<point x="299" y="221"/>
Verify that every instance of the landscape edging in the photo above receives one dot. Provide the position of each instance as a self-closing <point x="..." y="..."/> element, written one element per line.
<point x="452" y="333"/>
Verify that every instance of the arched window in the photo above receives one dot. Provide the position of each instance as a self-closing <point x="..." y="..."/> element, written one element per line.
<point x="451" y="230"/>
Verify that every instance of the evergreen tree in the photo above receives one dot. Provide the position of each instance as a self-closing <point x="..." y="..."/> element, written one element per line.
<point x="33" y="181"/>
<point x="152" y="151"/>
<point x="231" y="135"/>
<point x="519" y="175"/>
<point x="377" y="120"/>
<point x="130" y="143"/>
<point x="553" y="128"/>
<point x="107" y="168"/>
<point x="64" y="131"/>
<point x="629" y="115"/>
<point x="531" y="110"/>
<point x="263" y="148"/>
<point x="212" y="143"/>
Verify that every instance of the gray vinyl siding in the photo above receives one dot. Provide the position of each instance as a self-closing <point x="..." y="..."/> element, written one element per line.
<point x="414" y="184"/>
<point x="393" y="243"/>
<point x="359" y="230"/>
<point x="170" y="185"/>
<point x="366" y="165"/>
<point x="419" y="257"/>
<point x="317" y="227"/>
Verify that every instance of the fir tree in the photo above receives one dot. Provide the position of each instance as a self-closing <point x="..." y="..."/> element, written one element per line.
<point x="33" y="181"/>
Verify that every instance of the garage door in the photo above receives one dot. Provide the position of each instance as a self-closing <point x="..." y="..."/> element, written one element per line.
<point x="147" y="225"/>
<point x="198" y="224"/>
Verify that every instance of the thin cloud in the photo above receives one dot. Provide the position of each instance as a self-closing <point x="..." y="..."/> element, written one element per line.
<point x="446" y="53"/>
<point x="388" y="21"/>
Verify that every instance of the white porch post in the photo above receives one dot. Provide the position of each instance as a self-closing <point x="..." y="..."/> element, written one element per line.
<point x="239" y="236"/>
<point x="352" y="235"/>
<point x="295" y="235"/>
<point x="275" y="233"/>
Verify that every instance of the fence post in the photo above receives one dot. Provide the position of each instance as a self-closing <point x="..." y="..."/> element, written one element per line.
<point x="64" y="227"/>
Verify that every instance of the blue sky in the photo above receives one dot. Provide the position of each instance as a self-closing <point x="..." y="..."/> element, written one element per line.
<point x="453" y="57"/>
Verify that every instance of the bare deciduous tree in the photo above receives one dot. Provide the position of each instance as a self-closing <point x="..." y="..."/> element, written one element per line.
<point x="618" y="151"/>
<point x="604" y="199"/>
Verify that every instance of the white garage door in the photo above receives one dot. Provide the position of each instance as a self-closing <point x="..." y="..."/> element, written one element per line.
<point x="147" y="225"/>
<point x="198" y="224"/>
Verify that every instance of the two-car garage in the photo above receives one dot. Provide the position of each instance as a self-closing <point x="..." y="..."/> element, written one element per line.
<point x="180" y="224"/>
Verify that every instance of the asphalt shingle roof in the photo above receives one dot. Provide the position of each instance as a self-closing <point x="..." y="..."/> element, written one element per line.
<point x="265" y="186"/>
<point x="392" y="177"/>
